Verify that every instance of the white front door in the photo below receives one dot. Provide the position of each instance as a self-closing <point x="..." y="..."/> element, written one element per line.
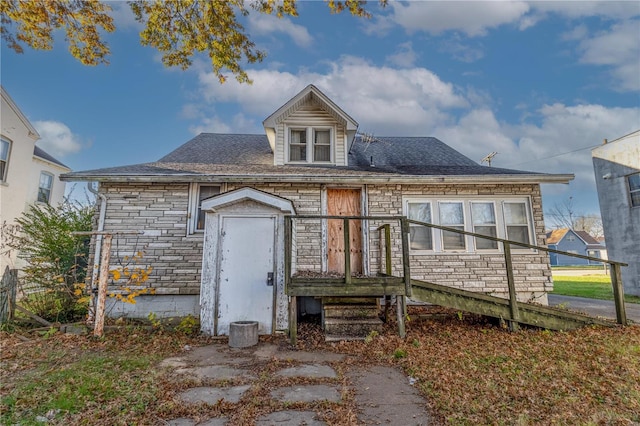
<point x="246" y="259"/>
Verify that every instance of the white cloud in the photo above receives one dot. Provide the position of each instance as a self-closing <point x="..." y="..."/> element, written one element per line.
<point x="619" y="48"/>
<point x="238" y="124"/>
<point x="384" y="100"/>
<point x="261" y="24"/>
<point x="123" y="17"/>
<point x="474" y="18"/>
<point x="577" y="33"/>
<point x="579" y="9"/>
<point x="404" y="57"/>
<point x="460" y="51"/>
<point x="57" y="139"/>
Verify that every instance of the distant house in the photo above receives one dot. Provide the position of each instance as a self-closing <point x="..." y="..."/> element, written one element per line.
<point x="311" y="160"/>
<point x="617" y="170"/>
<point x="28" y="174"/>
<point x="578" y="242"/>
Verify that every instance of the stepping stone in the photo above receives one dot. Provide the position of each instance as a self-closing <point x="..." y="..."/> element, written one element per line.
<point x="268" y="351"/>
<point x="218" y="421"/>
<point x="211" y="395"/>
<point x="386" y="397"/>
<point x="182" y="421"/>
<point x="315" y="370"/>
<point x="290" y="418"/>
<point x="173" y="363"/>
<point x="215" y="372"/>
<point x="307" y="393"/>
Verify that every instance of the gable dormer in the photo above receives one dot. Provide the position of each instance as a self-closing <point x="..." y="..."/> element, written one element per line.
<point x="310" y="129"/>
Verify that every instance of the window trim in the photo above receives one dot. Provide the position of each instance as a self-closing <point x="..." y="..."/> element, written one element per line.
<point x="430" y="230"/>
<point x="464" y="226"/>
<point x="630" y="191"/>
<point x="310" y="144"/>
<point x="473" y="225"/>
<point x="50" y="189"/>
<point x="501" y="226"/>
<point x="5" y="172"/>
<point x="193" y="207"/>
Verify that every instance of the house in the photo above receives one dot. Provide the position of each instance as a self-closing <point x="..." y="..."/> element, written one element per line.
<point x="617" y="170"/>
<point x="213" y="212"/>
<point x="577" y="242"/>
<point x="28" y="174"/>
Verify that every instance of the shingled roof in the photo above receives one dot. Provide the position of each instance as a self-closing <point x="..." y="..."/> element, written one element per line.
<point x="41" y="153"/>
<point x="235" y="157"/>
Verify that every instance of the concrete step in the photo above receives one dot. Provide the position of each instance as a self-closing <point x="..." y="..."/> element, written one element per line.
<point x="338" y="338"/>
<point x="352" y="327"/>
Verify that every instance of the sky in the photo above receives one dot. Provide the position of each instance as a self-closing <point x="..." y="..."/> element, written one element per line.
<point x="540" y="83"/>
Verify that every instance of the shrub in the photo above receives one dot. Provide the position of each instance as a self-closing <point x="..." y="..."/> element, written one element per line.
<point x="53" y="280"/>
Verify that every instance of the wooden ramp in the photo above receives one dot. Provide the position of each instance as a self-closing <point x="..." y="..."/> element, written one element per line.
<point x="497" y="307"/>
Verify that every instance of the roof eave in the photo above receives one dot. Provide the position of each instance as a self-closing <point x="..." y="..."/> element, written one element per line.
<point x="311" y="178"/>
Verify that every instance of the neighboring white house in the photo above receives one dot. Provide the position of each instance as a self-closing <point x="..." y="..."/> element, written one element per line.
<point x="617" y="170"/>
<point x="28" y="174"/>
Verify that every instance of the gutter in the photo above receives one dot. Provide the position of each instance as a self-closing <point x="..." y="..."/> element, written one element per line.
<point x="362" y="179"/>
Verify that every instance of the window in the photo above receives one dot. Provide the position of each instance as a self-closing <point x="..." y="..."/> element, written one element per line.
<point x="321" y="145"/>
<point x="204" y="192"/>
<point x="504" y="218"/>
<point x="420" y="237"/>
<point x="298" y="145"/>
<point x="483" y="216"/>
<point x="571" y="238"/>
<point x="452" y="216"/>
<point x="634" y="189"/>
<point x="516" y="222"/>
<point x="5" y="146"/>
<point x="44" y="188"/>
<point x="318" y="151"/>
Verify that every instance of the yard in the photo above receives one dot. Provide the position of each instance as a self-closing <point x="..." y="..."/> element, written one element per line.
<point x="591" y="286"/>
<point x="470" y="370"/>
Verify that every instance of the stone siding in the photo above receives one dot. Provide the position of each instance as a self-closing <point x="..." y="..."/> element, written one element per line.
<point x="160" y="211"/>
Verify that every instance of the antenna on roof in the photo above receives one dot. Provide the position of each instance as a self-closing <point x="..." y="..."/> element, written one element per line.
<point x="488" y="158"/>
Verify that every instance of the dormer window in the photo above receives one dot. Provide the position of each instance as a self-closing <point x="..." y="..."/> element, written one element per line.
<point x="298" y="145"/>
<point x="319" y="151"/>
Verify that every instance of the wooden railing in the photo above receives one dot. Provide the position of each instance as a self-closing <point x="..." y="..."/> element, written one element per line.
<point x="404" y="222"/>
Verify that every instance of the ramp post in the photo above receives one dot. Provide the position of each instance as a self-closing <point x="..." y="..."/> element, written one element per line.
<point x="404" y="227"/>
<point x="513" y="299"/>
<point x="400" y="308"/>
<point x="618" y="294"/>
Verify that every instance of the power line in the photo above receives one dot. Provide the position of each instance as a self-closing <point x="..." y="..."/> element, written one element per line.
<point x="554" y="156"/>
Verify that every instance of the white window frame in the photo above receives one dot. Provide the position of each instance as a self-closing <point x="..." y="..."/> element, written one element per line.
<point x="473" y="225"/>
<point x="464" y="226"/>
<point x="194" y="205"/>
<point x="430" y="230"/>
<point x="40" y="187"/>
<point x="501" y="226"/>
<point x="5" y="169"/>
<point x="529" y="224"/>
<point x="310" y="144"/>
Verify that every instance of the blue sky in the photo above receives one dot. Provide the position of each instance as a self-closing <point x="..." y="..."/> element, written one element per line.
<point x="538" y="82"/>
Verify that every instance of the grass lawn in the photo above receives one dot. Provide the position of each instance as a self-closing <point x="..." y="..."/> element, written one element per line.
<point x="469" y="370"/>
<point x="592" y="286"/>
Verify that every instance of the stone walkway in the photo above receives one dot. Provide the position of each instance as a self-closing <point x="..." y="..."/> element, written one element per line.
<point x="383" y="395"/>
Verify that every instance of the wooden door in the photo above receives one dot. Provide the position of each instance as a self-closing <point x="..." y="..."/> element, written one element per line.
<point x="344" y="202"/>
